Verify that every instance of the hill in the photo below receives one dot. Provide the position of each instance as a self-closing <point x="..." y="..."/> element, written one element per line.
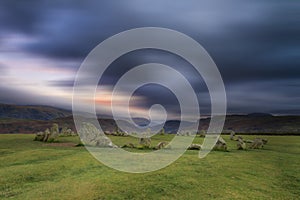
<point x="31" y="119"/>
<point x="258" y="124"/>
<point x="242" y="124"/>
<point x="32" y="112"/>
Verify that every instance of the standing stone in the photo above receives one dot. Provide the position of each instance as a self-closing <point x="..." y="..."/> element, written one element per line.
<point x="265" y="141"/>
<point x="54" y="129"/>
<point x="145" y="142"/>
<point x="220" y="145"/>
<point x="161" y="145"/>
<point x="241" y="145"/>
<point x="54" y="133"/>
<point x="202" y="133"/>
<point x="91" y="136"/>
<point x="70" y="132"/>
<point x="258" y="143"/>
<point x="232" y="135"/>
<point x="63" y="131"/>
<point x="47" y="135"/>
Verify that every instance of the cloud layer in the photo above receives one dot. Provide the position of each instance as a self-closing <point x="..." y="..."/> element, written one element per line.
<point x="255" y="44"/>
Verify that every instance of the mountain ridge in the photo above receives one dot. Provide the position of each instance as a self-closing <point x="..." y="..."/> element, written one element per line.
<point x="34" y="112"/>
<point x="31" y="119"/>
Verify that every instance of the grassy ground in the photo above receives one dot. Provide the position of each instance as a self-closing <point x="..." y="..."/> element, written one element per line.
<point x="33" y="170"/>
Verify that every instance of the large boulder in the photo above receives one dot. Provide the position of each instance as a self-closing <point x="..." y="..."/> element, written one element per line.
<point x="91" y="136"/>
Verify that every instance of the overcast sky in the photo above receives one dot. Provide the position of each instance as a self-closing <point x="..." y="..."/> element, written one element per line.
<point x="255" y="44"/>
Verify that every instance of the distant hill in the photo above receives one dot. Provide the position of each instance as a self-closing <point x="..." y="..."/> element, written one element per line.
<point x="259" y="115"/>
<point x="32" y="112"/>
<point x="10" y="125"/>
<point x="31" y="119"/>
<point x="258" y="123"/>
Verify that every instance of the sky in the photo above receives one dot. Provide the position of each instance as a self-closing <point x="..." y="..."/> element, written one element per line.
<point x="255" y="44"/>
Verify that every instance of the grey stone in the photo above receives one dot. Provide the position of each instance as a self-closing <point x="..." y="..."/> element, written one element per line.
<point x="47" y="135"/>
<point x="220" y="145"/>
<point x="91" y="136"/>
<point x="241" y="145"/>
<point x="202" y="133"/>
<point x="129" y="145"/>
<point x="232" y="135"/>
<point x="257" y="143"/>
<point x="145" y="142"/>
<point x="54" y="133"/>
<point x="194" y="147"/>
<point x="39" y="136"/>
<point x="161" y="145"/>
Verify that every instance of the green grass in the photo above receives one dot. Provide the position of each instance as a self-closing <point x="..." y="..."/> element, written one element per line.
<point x="33" y="170"/>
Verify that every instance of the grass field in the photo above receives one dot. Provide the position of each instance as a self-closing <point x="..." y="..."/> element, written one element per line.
<point x="33" y="170"/>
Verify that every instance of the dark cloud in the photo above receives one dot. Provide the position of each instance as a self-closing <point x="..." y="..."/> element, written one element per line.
<point x="21" y="16"/>
<point x="248" y="40"/>
<point x="264" y="96"/>
<point x="19" y="96"/>
<point x="61" y="83"/>
<point x="68" y="29"/>
<point x="153" y="93"/>
<point x="255" y="44"/>
<point x="3" y="70"/>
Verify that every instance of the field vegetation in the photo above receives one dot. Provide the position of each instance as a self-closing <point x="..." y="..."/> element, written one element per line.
<point x="37" y="170"/>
